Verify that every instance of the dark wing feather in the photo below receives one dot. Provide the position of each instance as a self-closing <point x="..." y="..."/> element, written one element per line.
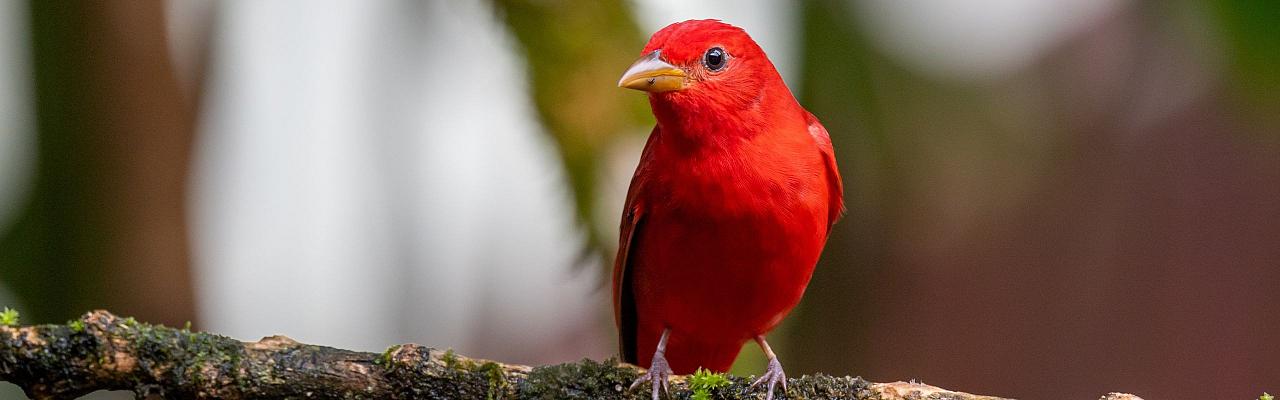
<point x="835" y="187"/>
<point x="624" y="308"/>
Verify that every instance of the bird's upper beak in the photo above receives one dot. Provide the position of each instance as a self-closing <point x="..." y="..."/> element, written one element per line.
<point x="651" y="74"/>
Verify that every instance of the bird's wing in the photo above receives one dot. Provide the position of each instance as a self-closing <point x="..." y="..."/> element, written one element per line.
<point x="835" y="188"/>
<point x="624" y="308"/>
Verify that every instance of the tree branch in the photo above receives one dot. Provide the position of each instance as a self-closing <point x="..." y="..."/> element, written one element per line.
<point x="103" y="351"/>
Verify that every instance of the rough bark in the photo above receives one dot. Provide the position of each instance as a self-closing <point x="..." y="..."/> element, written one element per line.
<point x="103" y="351"/>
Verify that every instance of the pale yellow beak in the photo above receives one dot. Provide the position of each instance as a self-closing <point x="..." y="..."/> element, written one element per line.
<point x="651" y="74"/>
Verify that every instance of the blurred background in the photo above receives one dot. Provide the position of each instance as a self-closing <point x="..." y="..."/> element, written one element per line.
<point x="1046" y="199"/>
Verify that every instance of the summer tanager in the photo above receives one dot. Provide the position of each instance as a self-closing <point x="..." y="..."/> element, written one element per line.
<point x="727" y="212"/>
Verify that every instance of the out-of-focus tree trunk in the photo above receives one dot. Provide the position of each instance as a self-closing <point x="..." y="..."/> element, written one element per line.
<point x="105" y="223"/>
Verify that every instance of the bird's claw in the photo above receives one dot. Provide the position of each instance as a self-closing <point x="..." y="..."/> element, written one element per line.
<point x="772" y="374"/>
<point x="659" y="374"/>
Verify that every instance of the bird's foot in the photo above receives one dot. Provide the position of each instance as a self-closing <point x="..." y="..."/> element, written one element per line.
<point x="659" y="374"/>
<point x="772" y="374"/>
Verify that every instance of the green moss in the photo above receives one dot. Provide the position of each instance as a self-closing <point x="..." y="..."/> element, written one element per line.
<point x="497" y="380"/>
<point x="385" y="358"/>
<point x="47" y="360"/>
<point x="819" y="386"/>
<point x="450" y="359"/>
<point x="1266" y="396"/>
<point x="416" y="374"/>
<point x="490" y="371"/>
<point x="188" y="359"/>
<point x="589" y="379"/>
<point x="9" y="317"/>
<point x="586" y="379"/>
<point x="703" y="381"/>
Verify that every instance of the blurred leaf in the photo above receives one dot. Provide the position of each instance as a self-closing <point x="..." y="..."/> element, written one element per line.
<point x="1252" y="34"/>
<point x="575" y="51"/>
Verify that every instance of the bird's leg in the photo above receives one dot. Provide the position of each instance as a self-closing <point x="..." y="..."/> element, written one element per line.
<point x="773" y="373"/>
<point x="659" y="372"/>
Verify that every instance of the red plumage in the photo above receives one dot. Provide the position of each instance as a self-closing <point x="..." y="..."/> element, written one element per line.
<point x="729" y="208"/>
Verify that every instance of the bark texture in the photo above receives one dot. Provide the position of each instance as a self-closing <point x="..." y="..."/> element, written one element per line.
<point x="103" y="351"/>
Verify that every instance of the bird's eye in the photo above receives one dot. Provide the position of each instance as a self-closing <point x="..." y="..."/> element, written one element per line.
<point x="715" y="59"/>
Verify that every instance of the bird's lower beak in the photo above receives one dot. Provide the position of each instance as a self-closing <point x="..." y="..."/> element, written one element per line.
<point x="651" y="74"/>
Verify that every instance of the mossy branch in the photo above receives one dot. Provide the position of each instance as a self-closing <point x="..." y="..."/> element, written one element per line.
<point x="103" y="351"/>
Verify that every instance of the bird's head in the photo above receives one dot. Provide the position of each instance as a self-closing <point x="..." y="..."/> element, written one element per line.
<point x="703" y="65"/>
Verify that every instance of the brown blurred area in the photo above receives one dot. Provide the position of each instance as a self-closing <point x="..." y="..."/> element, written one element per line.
<point x="1131" y="244"/>
<point x="105" y="225"/>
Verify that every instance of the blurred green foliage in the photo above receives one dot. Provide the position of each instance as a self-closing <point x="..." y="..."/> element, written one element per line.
<point x="59" y="237"/>
<point x="1251" y="33"/>
<point x="575" y="51"/>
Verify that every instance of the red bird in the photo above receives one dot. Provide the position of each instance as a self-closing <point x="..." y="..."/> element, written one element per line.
<point x="727" y="212"/>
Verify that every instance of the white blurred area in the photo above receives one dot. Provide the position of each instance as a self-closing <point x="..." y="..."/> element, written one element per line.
<point x="974" y="41"/>
<point x="372" y="173"/>
<point x="16" y="141"/>
<point x="17" y="144"/>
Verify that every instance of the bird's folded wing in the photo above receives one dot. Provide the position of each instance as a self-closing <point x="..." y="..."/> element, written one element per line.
<point x="624" y="308"/>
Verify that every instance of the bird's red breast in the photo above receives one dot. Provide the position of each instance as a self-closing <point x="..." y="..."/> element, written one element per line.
<point x="730" y="205"/>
